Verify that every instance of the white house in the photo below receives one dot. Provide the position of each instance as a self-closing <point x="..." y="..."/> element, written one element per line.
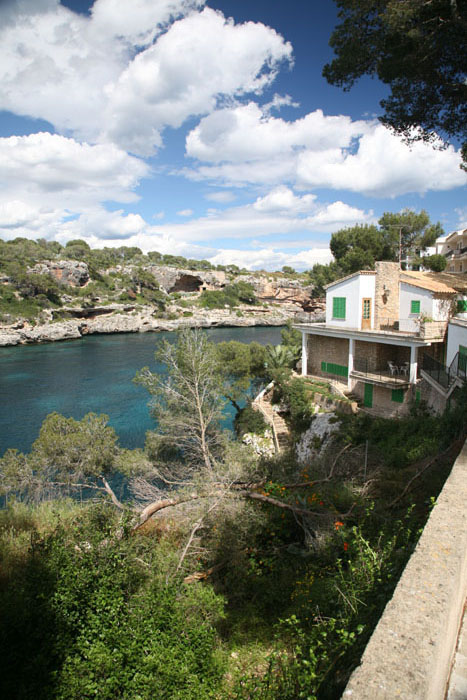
<point x="380" y="326"/>
<point x="454" y="247"/>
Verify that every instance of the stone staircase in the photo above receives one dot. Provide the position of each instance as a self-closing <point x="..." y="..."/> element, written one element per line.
<point x="279" y="427"/>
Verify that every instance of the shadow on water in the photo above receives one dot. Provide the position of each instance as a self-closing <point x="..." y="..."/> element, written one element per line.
<point x="94" y="373"/>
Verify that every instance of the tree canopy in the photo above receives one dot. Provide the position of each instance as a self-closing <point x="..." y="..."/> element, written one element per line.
<point x="359" y="247"/>
<point x="419" y="50"/>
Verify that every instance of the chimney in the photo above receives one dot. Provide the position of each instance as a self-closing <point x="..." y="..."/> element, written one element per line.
<point x="386" y="293"/>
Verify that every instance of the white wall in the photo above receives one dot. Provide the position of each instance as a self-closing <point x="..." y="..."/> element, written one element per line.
<point x="355" y="289"/>
<point x="350" y="289"/>
<point x="457" y="335"/>
<point x="367" y="290"/>
<point x="409" y="293"/>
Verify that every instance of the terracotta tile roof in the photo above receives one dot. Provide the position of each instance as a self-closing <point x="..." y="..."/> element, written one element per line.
<point x="434" y="282"/>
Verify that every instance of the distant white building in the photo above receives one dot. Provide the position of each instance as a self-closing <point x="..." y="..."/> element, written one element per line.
<point x="454" y="248"/>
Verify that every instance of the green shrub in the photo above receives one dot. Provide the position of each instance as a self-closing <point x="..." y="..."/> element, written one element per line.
<point x="249" y="420"/>
<point x="232" y="295"/>
<point x="84" y="618"/>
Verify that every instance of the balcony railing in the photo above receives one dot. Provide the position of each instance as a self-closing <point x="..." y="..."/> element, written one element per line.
<point x="398" y="376"/>
<point x="455" y="252"/>
<point x="436" y="370"/>
<point x="446" y="376"/>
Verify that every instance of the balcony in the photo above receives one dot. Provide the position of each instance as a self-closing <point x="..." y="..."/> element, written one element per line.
<point x="380" y="374"/>
<point x="455" y="252"/>
<point x="417" y="326"/>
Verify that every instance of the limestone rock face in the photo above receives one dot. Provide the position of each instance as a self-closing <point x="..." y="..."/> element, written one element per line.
<point x="138" y="321"/>
<point x="172" y="279"/>
<point x="279" y="289"/>
<point x="72" y="273"/>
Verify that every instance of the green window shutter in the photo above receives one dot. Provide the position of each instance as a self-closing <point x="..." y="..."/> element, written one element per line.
<point x="333" y="368"/>
<point x="418" y="396"/>
<point x="338" y="307"/>
<point x="397" y="395"/>
<point x="414" y="307"/>
<point x="462" y="306"/>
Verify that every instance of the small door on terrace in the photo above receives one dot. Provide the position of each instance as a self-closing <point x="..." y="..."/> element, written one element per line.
<point x="366" y="314"/>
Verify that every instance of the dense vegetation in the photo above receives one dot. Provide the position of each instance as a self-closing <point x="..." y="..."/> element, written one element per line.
<point x="221" y="574"/>
<point x="116" y="275"/>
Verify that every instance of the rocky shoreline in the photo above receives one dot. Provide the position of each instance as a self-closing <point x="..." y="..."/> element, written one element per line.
<point x="115" y="320"/>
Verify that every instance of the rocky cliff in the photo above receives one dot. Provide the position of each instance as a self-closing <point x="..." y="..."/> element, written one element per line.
<point x="117" y="320"/>
<point x="86" y="308"/>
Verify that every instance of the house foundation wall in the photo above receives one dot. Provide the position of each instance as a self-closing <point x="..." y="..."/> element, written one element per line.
<point x="382" y="398"/>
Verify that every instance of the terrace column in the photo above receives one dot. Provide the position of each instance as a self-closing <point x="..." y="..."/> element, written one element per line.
<point x="304" y="354"/>
<point x="350" y="362"/>
<point x="413" y="364"/>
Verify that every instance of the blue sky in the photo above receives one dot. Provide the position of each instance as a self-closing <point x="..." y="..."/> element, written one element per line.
<point x="196" y="128"/>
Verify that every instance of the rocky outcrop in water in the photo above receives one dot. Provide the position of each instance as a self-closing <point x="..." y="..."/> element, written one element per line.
<point x="116" y="320"/>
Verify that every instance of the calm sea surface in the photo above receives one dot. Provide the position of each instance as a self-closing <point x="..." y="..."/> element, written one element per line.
<point x="91" y="374"/>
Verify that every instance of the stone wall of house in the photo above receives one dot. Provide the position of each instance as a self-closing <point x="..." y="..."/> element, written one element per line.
<point x="382" y="399"/>
<point x="324" y="349"/>
<point x="378" y="354"/>
<point x="386" y="293"/>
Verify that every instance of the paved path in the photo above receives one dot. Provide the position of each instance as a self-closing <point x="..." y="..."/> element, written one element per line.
<point x="457" y="689"/>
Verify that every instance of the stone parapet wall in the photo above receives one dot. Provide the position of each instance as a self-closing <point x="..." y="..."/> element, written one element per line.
<point x="433" y="329"/>
<point x="410" y="652"/>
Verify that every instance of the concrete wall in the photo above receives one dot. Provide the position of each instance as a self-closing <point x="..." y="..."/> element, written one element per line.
<point x="457" y="335"/>
<point x="355" y="289"/>
<point x="409" y="294"/>
<point x="350" y="290"/>
<point x="434" y="399"/>
<point x="409" y="654"/>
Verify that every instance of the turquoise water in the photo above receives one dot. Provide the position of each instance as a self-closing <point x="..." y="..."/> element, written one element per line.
<point x="94" y="373"/>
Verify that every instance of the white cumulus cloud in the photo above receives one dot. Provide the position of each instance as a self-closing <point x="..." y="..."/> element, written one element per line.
<point x="244" y="144"/>
<point x="102" y="78"/>
<point x="48" y="167"/>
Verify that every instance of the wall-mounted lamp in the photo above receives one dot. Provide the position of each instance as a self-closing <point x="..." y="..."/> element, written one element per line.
<point x="386" y="291"/>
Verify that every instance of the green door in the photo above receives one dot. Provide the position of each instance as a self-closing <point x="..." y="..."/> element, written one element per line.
<point x="368" y="396"/>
